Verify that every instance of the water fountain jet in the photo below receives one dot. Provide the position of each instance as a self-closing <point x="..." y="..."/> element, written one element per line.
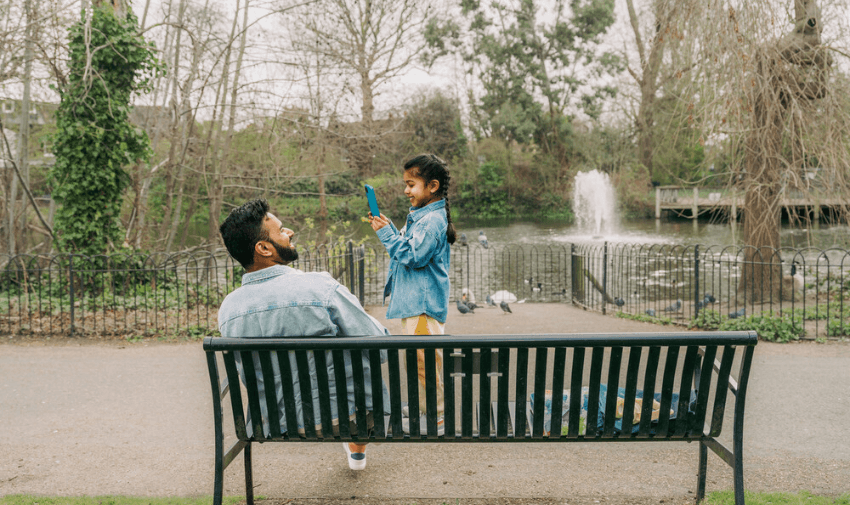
<point x="595" y="203"/>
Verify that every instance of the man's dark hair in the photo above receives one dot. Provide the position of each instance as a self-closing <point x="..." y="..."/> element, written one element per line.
<point x="243" y="228"/>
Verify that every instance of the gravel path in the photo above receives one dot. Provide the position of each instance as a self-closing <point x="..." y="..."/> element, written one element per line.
<point x="117" y="418"/>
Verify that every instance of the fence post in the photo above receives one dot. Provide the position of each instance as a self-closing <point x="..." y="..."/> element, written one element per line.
<point x="696" y="280"/>
<point x="361" y="273"/>
<point x="349" y="258"/>
<point x="71" y="284"/>
<point x="604" y="275"/>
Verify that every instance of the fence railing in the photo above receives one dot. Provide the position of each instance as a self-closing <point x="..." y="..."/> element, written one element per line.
<point x="179" y="294"/>
<point x="703" y="286"/>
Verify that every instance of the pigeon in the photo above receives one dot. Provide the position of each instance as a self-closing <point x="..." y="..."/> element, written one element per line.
<point x="483" y="239"/>
<point x="463" y="308"/>
<point x="503" y="296"/>
<point x="737" y="314"/>
<point x="675" y="307"/>
<point x="505" y="308"/>
<point x="530" y="280"/>
<point x="619" y="302"/>
<point x="538" y="287"/>
<point x="796" y="278"/>
<point x="463" y="241"/>
<point x="709" y="298"/>
<point x="650" y="312"/>
<point x="490" y="301"/>
<point x="467" y="295"/>
<point x="701" y="304"/>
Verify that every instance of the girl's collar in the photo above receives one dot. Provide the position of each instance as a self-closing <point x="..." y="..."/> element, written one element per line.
<point x="418" y="211"/>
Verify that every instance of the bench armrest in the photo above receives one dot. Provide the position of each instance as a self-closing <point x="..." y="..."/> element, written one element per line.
<point x="733" y="384"/>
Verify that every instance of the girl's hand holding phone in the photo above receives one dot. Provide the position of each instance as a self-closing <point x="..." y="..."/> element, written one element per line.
<point x="378" y="222"/>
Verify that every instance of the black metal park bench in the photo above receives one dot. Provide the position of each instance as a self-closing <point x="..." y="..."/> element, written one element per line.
<point x="486" y="378"/>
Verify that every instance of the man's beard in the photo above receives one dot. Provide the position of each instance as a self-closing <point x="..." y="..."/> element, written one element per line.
<point x="287" y="254"/>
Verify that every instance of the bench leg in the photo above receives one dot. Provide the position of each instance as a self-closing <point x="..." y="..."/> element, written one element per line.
<point x="249" y="477"/>
<point x="703" y="463"/>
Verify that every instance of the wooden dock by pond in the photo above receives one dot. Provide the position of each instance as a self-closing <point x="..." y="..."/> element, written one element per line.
<point x="692" y="202"/>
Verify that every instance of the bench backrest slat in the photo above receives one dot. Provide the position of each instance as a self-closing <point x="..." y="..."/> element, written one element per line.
<point x="342" y="406"/>
<point x="431" y="390"/>
<point x="595" y="382"/>
<point x="235" y="394"/>
<point x="649" y="377"/>
<point x="503" y="412"/>
<point x="540" y="358"/>
<point x="323" y="384"/>
<point x="253" y="395"/>
<point x="303" y="371"/>
<point x="558" y="373"/>
<point x="703" y="389"/>
<point x="270" y="393"/>
<point x="395" y="392"/>
<point x="720" y="394"/>
<point x="449" y="391"/>
<point x="667" y="385"/>
<point x="521" y="390"/>
<point x="631" y="389"/>
<point x="284" y="363"/>
<point x="412" y="368"/>
<point x="614" y="362"/>
<point x="377" y="391"/>
<point x="484" y="388"/>
<point x="466" y="399"/>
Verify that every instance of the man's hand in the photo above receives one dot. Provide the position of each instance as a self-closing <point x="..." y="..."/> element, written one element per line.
<point x="378" y="222"/>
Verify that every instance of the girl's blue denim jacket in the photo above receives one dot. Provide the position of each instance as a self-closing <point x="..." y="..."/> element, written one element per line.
<point x="281" y="301"/>
<point x="418" y="277"/>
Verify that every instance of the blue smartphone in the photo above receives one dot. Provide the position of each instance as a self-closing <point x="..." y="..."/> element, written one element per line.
<point x="373" y="202"/>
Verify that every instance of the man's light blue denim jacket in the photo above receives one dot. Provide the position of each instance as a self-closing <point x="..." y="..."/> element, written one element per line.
<point x="418" y="276"/>
<point x="281" y="301"/>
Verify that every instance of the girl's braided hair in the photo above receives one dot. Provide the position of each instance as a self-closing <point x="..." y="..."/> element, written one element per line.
<point x="430" y="167"/>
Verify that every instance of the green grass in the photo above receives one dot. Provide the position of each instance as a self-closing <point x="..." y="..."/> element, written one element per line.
<point x="24" y="499"/>
<point x="803" y="497"/>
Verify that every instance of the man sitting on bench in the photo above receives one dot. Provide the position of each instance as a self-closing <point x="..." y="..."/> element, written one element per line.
<point x="276" y="300"/>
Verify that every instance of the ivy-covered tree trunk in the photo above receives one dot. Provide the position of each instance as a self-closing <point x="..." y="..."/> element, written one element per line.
<point x="109" y="62"/>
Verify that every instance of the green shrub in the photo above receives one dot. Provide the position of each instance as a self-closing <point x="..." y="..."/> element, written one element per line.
<point x="706" y="320"/>
<point x="770" y="327"/>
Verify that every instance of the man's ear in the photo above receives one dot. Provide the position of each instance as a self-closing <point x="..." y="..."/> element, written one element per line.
<point x="262" y="249"/>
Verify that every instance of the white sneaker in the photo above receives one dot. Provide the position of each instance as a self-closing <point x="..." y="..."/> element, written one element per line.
<point x="356" y="460"/>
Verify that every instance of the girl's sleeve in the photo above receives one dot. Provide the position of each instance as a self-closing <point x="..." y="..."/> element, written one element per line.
<point x="414" y="250"/>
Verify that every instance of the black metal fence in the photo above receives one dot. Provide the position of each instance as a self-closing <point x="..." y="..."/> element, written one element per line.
<point x="179" y="294"/>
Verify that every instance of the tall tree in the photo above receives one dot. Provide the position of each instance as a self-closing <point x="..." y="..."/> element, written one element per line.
<point x="109" y="62"/>
<point x="373" y="41"/>
<point x="523" y="49"/>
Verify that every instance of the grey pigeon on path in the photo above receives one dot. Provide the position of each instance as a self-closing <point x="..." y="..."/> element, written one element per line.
<point x="505" y="308"/>
<point x="463" y="241"/>
<point x="619" y="302"/>
<point x="675" y="307"/>
<point x="739" y="313"/>
<point x="650" y="312"/>
<point x="463" y="308"/>
<point x="490" y="301"/>
<point x="483" y="239"/>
